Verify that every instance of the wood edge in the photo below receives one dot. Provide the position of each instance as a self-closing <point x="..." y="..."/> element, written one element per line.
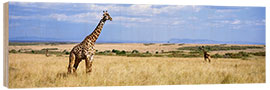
<point x="5" y="42"/>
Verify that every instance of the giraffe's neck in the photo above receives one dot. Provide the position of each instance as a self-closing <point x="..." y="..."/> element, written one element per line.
<point x="91" y="39"/>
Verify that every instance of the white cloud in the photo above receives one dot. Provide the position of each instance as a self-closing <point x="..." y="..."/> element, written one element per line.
<point x="224" y="11"/>
<point x="137" y="9"/>
<point x="59" y="17"/>
<point x="259" y="22"/>
<point x="41" y="5"/>
<point x="236" y="22"/>
<point x="27" y="17"/>
<point x="193" y="18"/>
<point x="77" y="18"/>
<point x="131" y="19"/>
<point x="228" y="21"/>
<point x="168" y="9"/>
<point x="88" y="17"/>
<point x="196" y="8"/>
<point x="236" y="27"/>
<point x="177" y="22"/>
<point x="254" y="22"/>
<point x="14" y="24"/>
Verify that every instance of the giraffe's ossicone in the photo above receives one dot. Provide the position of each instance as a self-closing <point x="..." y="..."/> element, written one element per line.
<point x="85" y="50"/>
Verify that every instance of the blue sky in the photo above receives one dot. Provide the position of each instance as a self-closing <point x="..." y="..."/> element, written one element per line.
<point x="136" y="23"/>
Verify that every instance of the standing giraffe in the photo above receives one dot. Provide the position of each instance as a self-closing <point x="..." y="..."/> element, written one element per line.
<point x="206" y="55"/>
<point x="85" y="50"/>
<point x="47" y="52"/>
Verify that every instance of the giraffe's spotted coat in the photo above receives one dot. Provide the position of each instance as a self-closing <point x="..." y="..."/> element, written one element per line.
<point x="85" y="50"/>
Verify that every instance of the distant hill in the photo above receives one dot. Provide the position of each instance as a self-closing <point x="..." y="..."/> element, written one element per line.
<point x="37" y="39"/>
<point x="189" y="41"/>
<point x="206" y="41"/>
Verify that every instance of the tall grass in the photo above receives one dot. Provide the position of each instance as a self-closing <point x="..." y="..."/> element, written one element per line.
<point x="36" y="70"/>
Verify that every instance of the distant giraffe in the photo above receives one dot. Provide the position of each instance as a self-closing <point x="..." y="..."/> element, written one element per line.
<point x="85" y="50"/>
<point x="206" y="55"/>
<point x="47" y="52"/>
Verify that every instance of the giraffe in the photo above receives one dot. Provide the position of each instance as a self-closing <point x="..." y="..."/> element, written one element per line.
<point x="206" y="55"/>
<point x="85" y="50"/>
<point x="47" y="52"/>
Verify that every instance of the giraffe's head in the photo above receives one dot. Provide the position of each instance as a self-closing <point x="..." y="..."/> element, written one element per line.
<point x="106" y="16"/>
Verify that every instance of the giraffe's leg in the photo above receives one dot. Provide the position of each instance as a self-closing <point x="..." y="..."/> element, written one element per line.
<point x="209" y="59"/>
<point x="88" y="63"/>
<point x="71" y="62"/>
<point x="77" y="62"/>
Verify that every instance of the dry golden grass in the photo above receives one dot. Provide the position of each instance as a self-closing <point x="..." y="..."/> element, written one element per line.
<point x="34" y="70"/>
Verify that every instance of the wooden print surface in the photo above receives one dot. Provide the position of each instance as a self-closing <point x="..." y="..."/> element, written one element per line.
<point x="87" y="44"/>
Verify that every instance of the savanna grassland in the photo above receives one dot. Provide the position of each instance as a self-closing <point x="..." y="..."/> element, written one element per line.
<point x="137" y="64"/>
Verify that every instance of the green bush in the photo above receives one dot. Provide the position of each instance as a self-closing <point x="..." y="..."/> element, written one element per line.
<point x="13" y="51"/>
<point x="181" y="44"/>
<point x="147" y="44"/>
<point x="49" y="49"/>
<point x="139" y="55"/>
<point x="33" y="51"/>
<point x="168" y="44"/>
<point x="174" y="52"/>
<point x="258" y="53"/>
<point x="115" y="51"/>
<point x="158" y="55"/>
<point x="107" y="51"/>
<point x="236" y="55"/>
<point x="182" y="55"/>
<point x="217" y="56"/>
<point x="135" y="51"/>
<point x="121" y="53"/>
<point x="67" y="53"/>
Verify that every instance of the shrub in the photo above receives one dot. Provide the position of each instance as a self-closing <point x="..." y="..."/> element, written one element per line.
<point x="236" y="55"/>
<point x="166" y="44"/>
<point x="182" y="55"/>
<point x="122" y="52"/>
<point x="100" y="53"/>
<point x="243" y="54"/>
<point x="217" y="56"/>
<point x="181" y="44"/>
<point x="107" y="51"/>
<point x="115" y="51"/>
<point x="49" y="49"/>
<point x="157" y="55"/>
<point x="258" y="53"/>
<point x="33" y="51"/>
<point x="139" y="55"/>
<point x="13" y="51"/>
<point x="135" y="51"/>
<point x="67" y="53"/>
<point x="147" y="44"/>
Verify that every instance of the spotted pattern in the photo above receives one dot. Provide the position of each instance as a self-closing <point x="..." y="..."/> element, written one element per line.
<point x="85" y="50"/>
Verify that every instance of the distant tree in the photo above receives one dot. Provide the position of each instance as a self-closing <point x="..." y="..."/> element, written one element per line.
<point x="135" y="51"/>
<point x="115" y="51"/>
